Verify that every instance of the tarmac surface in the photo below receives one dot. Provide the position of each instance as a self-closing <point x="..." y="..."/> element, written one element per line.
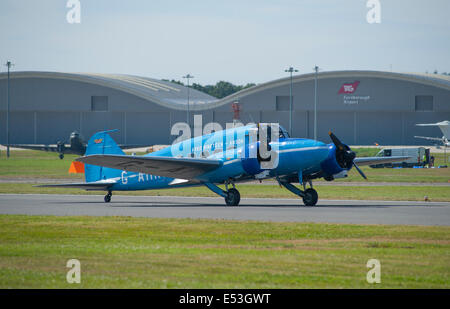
<point x="280" y="210"/>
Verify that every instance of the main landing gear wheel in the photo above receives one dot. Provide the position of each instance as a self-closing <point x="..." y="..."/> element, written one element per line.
<point x="311" y="197"/>
<point x="108" y="197"/>
<point x="61" y="156"/>
<point x="233" y="197"/>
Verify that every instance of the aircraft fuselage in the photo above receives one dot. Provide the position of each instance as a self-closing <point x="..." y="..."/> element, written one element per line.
<point x="294" y="155"/>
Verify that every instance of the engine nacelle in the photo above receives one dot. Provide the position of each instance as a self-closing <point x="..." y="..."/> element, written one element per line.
<point x="331" y="168"/>
<point x="341" y="174"/>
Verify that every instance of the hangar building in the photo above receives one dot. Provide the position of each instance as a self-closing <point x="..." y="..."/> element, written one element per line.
<point x="361" y="107"/>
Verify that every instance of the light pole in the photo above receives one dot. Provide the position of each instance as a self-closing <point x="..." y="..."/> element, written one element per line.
<point x="316" y="69"/>
<point x="8" y="64"/>
<point x="188" y="76"/>
<point x="290" y="70"/>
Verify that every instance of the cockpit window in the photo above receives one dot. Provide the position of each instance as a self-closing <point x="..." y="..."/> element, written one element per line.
<point x="283" y="133"/>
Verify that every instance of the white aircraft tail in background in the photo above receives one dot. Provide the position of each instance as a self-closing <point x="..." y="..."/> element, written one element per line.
<point x="445" y="128"/>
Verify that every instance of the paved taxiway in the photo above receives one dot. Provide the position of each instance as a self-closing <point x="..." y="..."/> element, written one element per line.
<point x="288" y="210"/>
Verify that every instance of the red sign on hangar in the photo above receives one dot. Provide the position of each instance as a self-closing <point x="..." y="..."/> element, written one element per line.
<point x="349" y="88"/>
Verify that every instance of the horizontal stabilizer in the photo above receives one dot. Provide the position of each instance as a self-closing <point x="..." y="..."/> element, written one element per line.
<point x="178" y="181"/>
<point x="184" y="168"/>
<point x="102" y="185"/>
<point x="379" y="160"/>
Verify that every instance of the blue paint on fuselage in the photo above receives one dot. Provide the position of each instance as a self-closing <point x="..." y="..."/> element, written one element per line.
<point x="300" y="155"/>
<point x="140" y="181"/>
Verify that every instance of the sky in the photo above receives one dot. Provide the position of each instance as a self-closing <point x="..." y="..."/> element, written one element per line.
<point x="241" y="41"/>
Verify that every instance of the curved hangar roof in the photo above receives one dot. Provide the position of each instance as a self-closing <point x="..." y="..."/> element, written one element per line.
<point x="174" y="96"/>
<point x="167" y="94"/>
<point x="435" y="80"/>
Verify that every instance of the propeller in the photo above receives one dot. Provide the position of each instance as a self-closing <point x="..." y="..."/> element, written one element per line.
<point x="344" y="155"/>
<point x="359" y="171"/>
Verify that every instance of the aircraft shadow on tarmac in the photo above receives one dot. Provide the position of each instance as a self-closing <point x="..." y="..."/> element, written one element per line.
<point x="162" y="204"/>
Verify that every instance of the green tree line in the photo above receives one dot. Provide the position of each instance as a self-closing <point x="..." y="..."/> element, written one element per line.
<point x="219" y="90"/>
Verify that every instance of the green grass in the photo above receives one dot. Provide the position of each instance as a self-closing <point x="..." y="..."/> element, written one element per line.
<point x="371" y="152"/>
<point x="424" y="175"/>
<point x="399" y="175"/>
<point x="366" y="152"/>
<point x="394" y="193"/>
<point x="36" y="164"/>
<point x="42" y="165"/>
<point x="122" y="252"/>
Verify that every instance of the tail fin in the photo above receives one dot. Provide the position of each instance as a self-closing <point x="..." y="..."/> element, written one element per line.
<point x="101" y="143"/>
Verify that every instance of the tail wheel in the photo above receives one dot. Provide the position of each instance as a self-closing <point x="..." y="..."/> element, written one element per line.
<point x="311" y="197"/>
<point x="233" y="197"/>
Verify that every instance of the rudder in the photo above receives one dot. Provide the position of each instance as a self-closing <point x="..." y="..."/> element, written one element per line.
<point x="101" y="143"/>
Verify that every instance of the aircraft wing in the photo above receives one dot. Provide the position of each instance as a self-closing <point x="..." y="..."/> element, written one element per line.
<point x="53" y="148"/>
<point x="430" y="138"/>
<point x="102" y="185"/>
<point x="379" y="160"/>
<point x="184" y="168"/>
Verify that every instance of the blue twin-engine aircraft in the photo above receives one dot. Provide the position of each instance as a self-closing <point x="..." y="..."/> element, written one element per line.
<point x="224" y="157"/>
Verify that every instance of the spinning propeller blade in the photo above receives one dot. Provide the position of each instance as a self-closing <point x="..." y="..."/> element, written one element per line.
<point x="336" y="141"/>
<point x="359" y="171"/>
